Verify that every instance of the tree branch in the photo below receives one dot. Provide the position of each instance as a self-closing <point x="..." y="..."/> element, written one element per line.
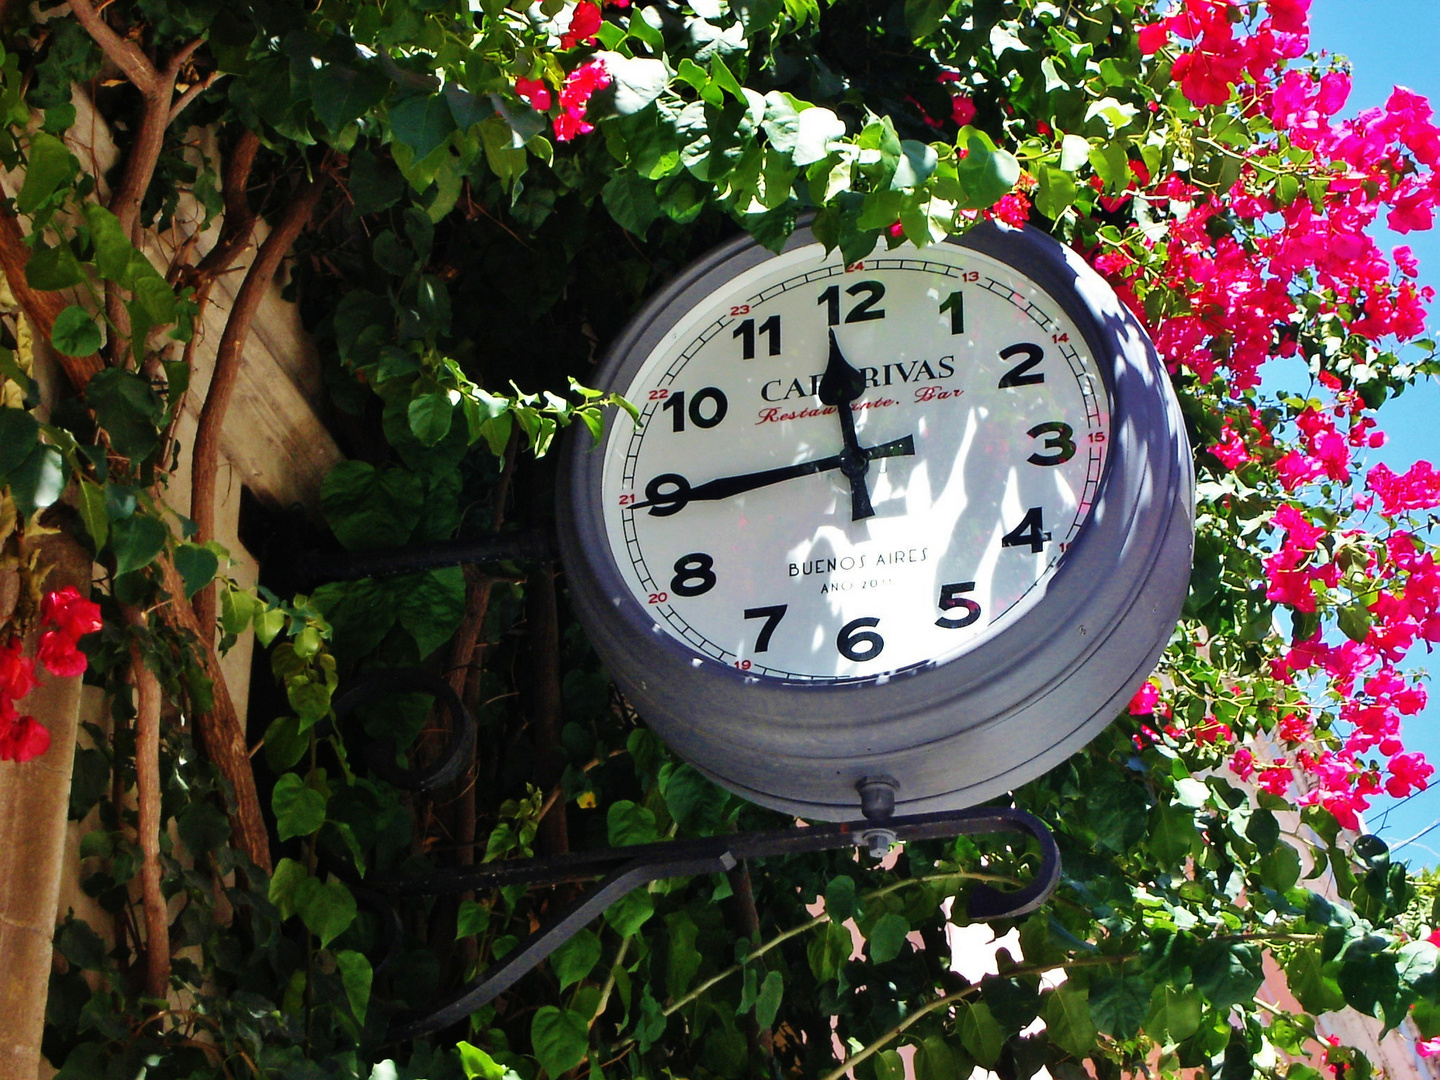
<point x="192" y="92"/>
<point x="206" y="458"/>
<point x="222" y="733"/>
<point x="126" y="55"/>
<point x="147" y="787"/>
<point x="40" y="307"/>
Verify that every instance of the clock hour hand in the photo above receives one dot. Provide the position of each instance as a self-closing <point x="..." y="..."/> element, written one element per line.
<point x="839" y="386"/>
<point x="669" y="493"/>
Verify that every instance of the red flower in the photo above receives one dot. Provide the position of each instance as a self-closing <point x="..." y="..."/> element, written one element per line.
<point x="584" y="24"/>
<point x="17" y="671"/>
<point x="1143" y="703"/>
<point x="580" y="84"/>
<point x="534" y="92"/>
<point x="22" y="739"/>
<point x="962" y="109"/>
<point x="59" y="653"/>
<point x="75" y="615"/>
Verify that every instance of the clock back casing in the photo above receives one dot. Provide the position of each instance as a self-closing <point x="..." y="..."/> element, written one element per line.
<point x="951" y="734"/>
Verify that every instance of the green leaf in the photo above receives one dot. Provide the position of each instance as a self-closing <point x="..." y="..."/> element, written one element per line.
<point x="326" y="909"/>
<point x="631" y="201"/>
<point x="91" y="504"/>
<point x="75" y="332"/>
<point x="422" y="122"/>
<point x="285" y="885"/>
<point x="1120" y="1004"/>
<point x="1173" y="835"/>
<point x="1263" y="830"/>
<point x="979" y="1033"/>
<point x="19" y="435"/>
<point x="1280" y="869"/>
<point x="136" y="541"/>
<point x="80" y="945"/>
<point x="683" y="960"/>
<point x="114" y="254"/>
<point x="430" y="415"/>
<point x="197" y="566"/>
<point x="827" y="951"/>
<point x="559" y="1039"/>
<point x="627" y="915"/>
<point x="1057" y="192"/>
<point x="356" y="974"/>
<point x="471" y="919"/>
<point x="1354" y="621"/>
<point x="629" y="823"/>
<point x="268" y="623"/>
<point x="299" y="809"/>
<point x="767" y="1004"/>
<point x="506" y="160"/>
<point x="576" y="958"/>
<point x="237" y="608"/>
<point x="52" y="268"/>
<point x="129" y="410"/>
<point x="1174" y="1014"/>
<point x="935" y="1060"/>
<point x="1068" y="1021"/>
<point x="478" y="1065"/>
<point x="286" y="742"/>
<point x="816" y="129"/>
<point x="368" y="507"/>
<point x="887" y="937"/>
<point x="692" y="799"/>
<point x="922" y="17"/>
<point x="341" y="95"/>
<point x="430" y="606"/>
<point x="1316" y="991"/>
<point x="840" y="898"/>
<point x="50" y="167"/>
<point x="888" y="1065"/>
<point x="637" y="82"/>
<point x="986" y="173"/>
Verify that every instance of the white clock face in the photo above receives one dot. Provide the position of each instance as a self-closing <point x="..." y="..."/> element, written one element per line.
<point x="844" y="472"/>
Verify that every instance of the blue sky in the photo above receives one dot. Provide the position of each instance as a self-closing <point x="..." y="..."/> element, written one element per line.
<point x="1389" y="43"/>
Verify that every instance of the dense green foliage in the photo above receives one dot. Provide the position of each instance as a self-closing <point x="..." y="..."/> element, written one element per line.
<point x="463" y="270"/>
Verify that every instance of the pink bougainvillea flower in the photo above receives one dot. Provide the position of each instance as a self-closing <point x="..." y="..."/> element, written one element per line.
<point x="1154" y="37"/>
<point x="17" y="671"/>
<point x="584" y="25"/>
<point x="534" y="92"/>
<point x="59" y="653"/>
<point x="75" y="615"/>
<point x="1143" y="703"/>
<point x="580" y="85"/>
<point x="22" y="739"/>
<point x="962" y="109"/>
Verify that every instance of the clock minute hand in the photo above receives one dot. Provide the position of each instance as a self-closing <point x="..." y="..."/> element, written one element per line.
<point x="839" y="386"/>
<point x="724" y="487"/>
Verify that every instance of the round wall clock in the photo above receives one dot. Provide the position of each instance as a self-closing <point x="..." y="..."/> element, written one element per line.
<point x="924" y="518"/>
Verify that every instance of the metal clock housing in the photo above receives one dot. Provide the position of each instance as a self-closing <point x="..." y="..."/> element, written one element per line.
<point x="925" y="517"/>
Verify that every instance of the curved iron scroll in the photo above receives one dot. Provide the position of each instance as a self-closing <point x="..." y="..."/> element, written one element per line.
<point x="629" y="867"/>
<point x="380" y="756"/>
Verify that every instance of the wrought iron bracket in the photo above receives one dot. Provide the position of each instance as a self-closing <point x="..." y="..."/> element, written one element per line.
<point x="622" y="869"/>
<point x="627" y="868"/>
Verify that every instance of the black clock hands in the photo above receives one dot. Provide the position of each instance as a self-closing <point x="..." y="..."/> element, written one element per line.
<point x="669" y="493"/>
<point x="839" y="386"/>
